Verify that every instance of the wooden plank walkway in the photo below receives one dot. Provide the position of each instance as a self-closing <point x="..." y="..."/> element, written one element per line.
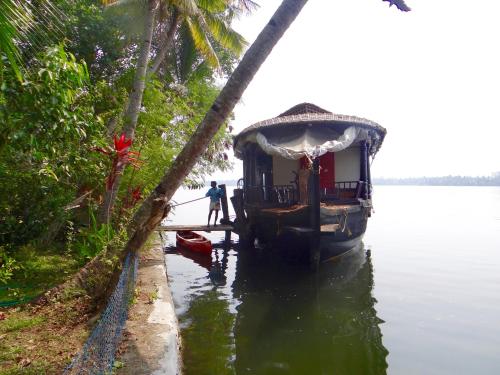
<point x="202" y="228"/>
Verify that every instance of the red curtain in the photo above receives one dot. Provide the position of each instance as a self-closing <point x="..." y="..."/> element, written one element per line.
<point x="326" y="169"/>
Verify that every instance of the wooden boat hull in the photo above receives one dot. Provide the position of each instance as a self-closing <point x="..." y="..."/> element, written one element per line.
<point x="330" y="247"/>
<point x="193" y="242"/>
<point x="342" y="228"/>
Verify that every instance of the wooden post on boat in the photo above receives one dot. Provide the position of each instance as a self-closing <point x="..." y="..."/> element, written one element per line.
<point x="314" y="203"/>
<point x="241" y="225"/>
<point x="239" y="205"/>
<point x="363" y="173"/>
<point x="369" y="175"/>
<point x="225" y="211"/>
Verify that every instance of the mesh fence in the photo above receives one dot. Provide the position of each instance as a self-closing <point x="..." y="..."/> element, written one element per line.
<point x="98" y="353"/>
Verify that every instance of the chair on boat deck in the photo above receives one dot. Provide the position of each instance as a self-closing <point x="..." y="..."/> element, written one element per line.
<point x="285" y="195"/>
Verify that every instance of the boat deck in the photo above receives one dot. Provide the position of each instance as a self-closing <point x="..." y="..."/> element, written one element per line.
<point x="298" y="207"/>
<point x="202" y="228"/>
<point x="338" y="206"/>
<point x="326" y="228"/>
<point x="284" y="210"/>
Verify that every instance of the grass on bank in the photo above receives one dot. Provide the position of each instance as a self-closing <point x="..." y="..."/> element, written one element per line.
<point x="39" y="270"/>
<point x="40" y="339"/>
<point x="44" y="338"/>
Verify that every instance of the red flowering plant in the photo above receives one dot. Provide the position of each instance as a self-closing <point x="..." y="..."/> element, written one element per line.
<point x="133" y="197"/>
<point x="121" y="157"/>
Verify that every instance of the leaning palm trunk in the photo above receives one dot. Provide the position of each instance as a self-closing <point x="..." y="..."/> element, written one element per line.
<point x="169" y="38"/>
<point x="156" y="206"/>
<point x="133" y="106"/>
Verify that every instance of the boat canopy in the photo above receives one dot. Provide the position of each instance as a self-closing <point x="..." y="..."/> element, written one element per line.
<point x="310" y="131"/>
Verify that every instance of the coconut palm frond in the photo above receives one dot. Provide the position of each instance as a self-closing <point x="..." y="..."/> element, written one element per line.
<point x="223" y="34"/>
<point x="201" y="41"/>
<point x="187" y="54"/>
<point x="245" y="6"/>
<point x="7" y="34"/>
<point x="213" y="6"/>
<point x="25" y="29"/>
<point x="186" y="7"/>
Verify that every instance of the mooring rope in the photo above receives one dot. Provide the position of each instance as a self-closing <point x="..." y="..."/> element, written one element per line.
<point x="344" y="215"/>
<point x="193" y="200"/>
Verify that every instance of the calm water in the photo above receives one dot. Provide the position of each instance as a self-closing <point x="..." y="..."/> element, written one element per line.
<point x="426" y="300"/>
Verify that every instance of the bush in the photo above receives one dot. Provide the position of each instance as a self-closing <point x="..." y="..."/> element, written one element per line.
<point x="48" y="130"/>
<point x="8" y="266"/>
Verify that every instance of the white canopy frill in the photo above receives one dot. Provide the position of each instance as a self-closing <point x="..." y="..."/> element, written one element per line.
<point x="311" y="142"/>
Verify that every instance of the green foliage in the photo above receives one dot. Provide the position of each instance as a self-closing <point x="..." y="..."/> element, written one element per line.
<point x="8" y="32"/>
<point x="8" y="266"/>
<point x="25" y="28"/>
<point x="94" y="239"/>
<point x="52" y="121"/>
<point x="42" y="110"/>
<point x="37" y="270"/>
<point x="170" y="116"/>
<point x="48" y="130"/>
<point x="97" y="36"/>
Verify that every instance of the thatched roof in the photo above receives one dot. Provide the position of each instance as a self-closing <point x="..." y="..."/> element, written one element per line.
<point x="310" y="114"/>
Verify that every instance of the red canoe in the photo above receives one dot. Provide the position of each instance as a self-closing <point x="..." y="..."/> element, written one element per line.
<point x="194" y="242"/>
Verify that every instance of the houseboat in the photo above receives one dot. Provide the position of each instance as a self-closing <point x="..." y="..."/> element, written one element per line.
<point x="306" y="180"/>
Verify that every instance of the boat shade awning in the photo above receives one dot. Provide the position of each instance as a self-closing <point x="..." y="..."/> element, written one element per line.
<point x="310" y="142"/>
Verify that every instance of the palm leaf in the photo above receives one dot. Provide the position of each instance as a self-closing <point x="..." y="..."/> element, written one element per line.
<point x="245" y="6"/>
<point x="25" y="28"/>
<point x="187" y="54"/>
<point x="213" y="6"/>
<point x="227" y="37"/>
<point x="186" y="7"/>
<point x="201" y="41"/>
<point x="7" y="34"/>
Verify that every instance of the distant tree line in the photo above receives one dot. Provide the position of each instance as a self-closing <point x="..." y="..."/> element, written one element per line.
<point x="493" y="180"/>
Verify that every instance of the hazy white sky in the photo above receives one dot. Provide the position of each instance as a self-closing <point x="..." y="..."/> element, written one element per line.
<point x="431" y="77"/>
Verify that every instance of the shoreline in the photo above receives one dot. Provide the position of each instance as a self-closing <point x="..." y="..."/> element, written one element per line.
<point x="151" y="341"/>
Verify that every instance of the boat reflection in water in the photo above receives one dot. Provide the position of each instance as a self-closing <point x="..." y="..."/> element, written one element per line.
<point x="200" y="259"/>
<point x="293" y="321"/>
<point x="249" y="312"/>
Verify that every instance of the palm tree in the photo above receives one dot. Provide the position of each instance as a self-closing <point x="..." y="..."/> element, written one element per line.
<point x="204" y="21"/>
<point x="156" y="206"/>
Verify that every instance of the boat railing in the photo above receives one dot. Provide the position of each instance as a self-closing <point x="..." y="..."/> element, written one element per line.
<point x="276" y="195"/>
<point x="287" y="195"/>
<point x="344" y="190"/>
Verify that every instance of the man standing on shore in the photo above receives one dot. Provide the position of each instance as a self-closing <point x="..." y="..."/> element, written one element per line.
<point x="215" y="195"/>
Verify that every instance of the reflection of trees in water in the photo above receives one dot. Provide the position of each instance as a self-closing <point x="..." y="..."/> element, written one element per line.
<point x="292" y="321"/>
<point x="207" y="341"/>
